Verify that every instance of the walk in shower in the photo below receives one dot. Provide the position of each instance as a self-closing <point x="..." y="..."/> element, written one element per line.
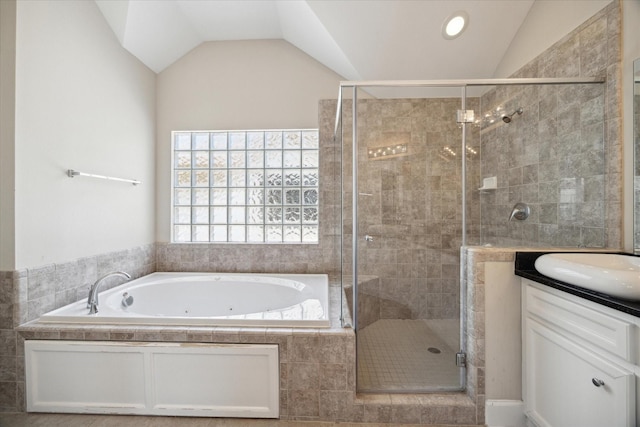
<point x="430" y="166"/>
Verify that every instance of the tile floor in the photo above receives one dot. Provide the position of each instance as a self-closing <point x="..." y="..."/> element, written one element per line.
<point x="403" y="355"/>
<point x="69" y="420"/>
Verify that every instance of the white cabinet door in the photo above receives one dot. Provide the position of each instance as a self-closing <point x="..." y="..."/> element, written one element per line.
<point x="568" y="386"/>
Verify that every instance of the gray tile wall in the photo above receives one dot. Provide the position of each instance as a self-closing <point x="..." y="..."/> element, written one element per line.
<point x="562" y="156"/>
<point x="410" y="204"/>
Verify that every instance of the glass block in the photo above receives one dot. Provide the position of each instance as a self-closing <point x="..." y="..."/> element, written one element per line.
<point x="237" y="178"/>
<point x="255" y="159"/>
<point x="218" y="233"/>
<point x="310" y="215"/>
<point x="310" y="233"/>
<point x="273" y="159"/>
<point x="200" y="159"/>
<point x="182" y="215"/>
<point x="182" y="179"/>
<point x="273" y="233"/>
<point x="274" y="197"/>
<point x="182" y="141"/>
<point x="237" y="196"/>
<point x="200" y="196"/>
<point x="219" y="141"/>
<point x="273" y="140"/>
<point x="292" y="215"/>
<point x="182" y="159"/>
<point x="292" y="233"/>
<point x="310" y="139"/>
<point x="219" y="215"/>
<point x="182" y="233"/>
<point x="200" y="233"/>
<point x="201" y="178"/>
<point x="237" y="159"/>
<point x="274" y="177"/>
<point x="255" y="140"/>
<point x="255" y="233"/>
<point x="291" y="159"/>
<point x="292" y="139"/>
<point x="292" y="197"/>
<point x="237" y="233"/>
<point x="219" y="159"/>
<point x="237" y="215"/>
<point x="274" y="216"/>
<point x="255" y="178"/>
<point x="201" y="216"/>
<point x="292" y="177"/>
<point x="310" y="178"/>
<point x="200" y="140"/>
<point x="182" y="196"/>
<point x="255" y="196"/>
<point x="255" y="215"/>
<point x="219" y="196"/>
<point x="311" y="197"/>
<point x="310" y="159"/>
<point x="219" y="178"/>
<point x="237" y="141"/>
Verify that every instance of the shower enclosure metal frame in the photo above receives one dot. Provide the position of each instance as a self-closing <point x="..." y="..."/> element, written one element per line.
<point x="451" y="84"/>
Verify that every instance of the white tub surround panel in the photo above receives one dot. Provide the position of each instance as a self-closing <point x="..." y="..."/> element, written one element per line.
<point x="178" y="379"/>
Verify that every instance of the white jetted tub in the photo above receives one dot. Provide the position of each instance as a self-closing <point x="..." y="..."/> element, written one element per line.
<point x="211" y="299"/>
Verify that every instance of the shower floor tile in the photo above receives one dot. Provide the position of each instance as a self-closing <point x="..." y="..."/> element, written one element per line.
<point x="396" y="355"/>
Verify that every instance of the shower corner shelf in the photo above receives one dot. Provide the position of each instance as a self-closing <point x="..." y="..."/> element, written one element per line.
<point x="490" y="183"/>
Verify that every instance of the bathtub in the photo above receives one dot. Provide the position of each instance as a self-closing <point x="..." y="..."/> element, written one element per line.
<point x="208" y="299"/>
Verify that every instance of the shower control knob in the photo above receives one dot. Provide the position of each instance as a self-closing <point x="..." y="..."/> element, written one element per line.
<point x="597" y="382"/>
<point x="368" y="238"/>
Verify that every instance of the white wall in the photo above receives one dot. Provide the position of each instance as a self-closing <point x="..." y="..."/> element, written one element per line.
<point x="503" y="333"/>
<point x="82" y="102"/>
<point x="547" y="22"/>
<point x="257" y="84"/>
<point x="7" y="120"/>
<point x="630" y="52"/>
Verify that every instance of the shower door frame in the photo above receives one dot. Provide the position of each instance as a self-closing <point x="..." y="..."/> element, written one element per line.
<point x="450" y="84"/>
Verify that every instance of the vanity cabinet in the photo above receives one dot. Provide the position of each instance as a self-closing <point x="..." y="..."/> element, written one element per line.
<point x="580" y="361"/>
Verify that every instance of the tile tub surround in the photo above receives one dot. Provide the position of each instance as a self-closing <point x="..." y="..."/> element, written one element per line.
<point x="313" y="362"/>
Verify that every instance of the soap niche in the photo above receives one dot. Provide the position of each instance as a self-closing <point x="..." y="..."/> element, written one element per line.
<point x="489" y="183"/>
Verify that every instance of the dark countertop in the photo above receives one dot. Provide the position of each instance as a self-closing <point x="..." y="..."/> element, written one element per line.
<point x="525" y="267"/>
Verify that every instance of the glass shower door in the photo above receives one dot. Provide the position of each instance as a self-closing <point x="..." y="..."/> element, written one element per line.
<point x="408" y="228"/>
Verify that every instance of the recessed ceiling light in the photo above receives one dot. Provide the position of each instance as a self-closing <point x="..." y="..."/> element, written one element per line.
<point x="454" y="25"/>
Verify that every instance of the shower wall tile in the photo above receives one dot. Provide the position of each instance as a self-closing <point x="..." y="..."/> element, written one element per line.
<point x="410" y="205"/>
<point x="563" y="155"/>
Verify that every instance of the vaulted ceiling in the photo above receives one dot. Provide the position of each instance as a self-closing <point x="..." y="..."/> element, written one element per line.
<point x="358" y="39"/>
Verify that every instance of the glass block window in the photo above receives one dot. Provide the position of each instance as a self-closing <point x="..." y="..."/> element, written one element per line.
<point x="245" y="186"/>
